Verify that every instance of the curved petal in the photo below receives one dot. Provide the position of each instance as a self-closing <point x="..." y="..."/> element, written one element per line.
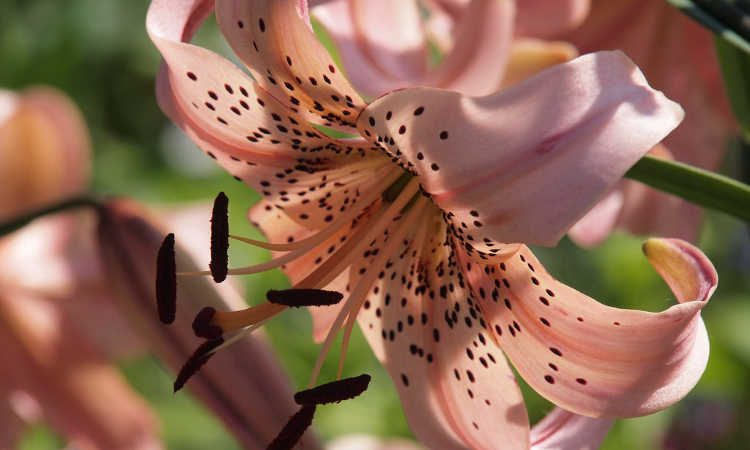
<point x="257" y="139"/>
<point x="456" y="388"/>
<point x="561" y="429"/>
<point x="593" y="359"/>
<point x="593" y="228"/>
<point x="382" y="44"/>
<point x="378" y="58"/>
<point x="276" y="42"/>
<point x="524" y="164"/>
<point x="546" y="18"/>
<point x="476" y="64"/>
<point x="685" y="67"/>
<point x="81" y="395"/>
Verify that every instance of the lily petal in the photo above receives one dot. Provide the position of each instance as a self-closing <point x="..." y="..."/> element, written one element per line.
<point x="560" y="139"/>
<point x="685" y="67"/>
<point x="456" y="388"/>
<point x="531" y="56"/>
<point x="370" y="52"/>
<point x="60" y="369"/>
<point x="250" y="133"/>
<point x="593" y="359"/>
<point x="276" y="42"/>
<point x="546" y="18"/>
<point x="593" y="228"/>
<point x="379" y="53"/>
<point x="561" y="429"/>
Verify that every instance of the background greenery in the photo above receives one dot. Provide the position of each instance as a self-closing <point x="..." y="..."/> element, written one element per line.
<point x="98" y="52"/>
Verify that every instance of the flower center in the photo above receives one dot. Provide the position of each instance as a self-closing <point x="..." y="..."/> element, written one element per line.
<point x="384" y="214"/>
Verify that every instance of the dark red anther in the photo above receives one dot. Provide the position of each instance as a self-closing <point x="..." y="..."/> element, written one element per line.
<point x="294" y="429"/>
<point x="219" y="264"/>
<point x="334" y="391"/>
<point x="304" y="297"/>
<point x="202" y="326"/>
<point x="200" y="357"/>
<point x="166" y="281"/>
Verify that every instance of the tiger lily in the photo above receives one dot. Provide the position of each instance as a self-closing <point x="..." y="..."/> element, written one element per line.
<point x="420" y="221"/>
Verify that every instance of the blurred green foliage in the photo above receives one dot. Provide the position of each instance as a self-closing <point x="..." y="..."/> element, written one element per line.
<point x="98" y="52"/>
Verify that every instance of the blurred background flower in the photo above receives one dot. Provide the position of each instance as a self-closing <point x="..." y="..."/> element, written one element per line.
<point x="98" y="53"/>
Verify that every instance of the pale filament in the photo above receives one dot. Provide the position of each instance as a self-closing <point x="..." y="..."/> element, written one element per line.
<point x="307" y="244"/>
<point x="357" y="298"/>
<point x="383" y="224"/>
<point x="322" y="277"/>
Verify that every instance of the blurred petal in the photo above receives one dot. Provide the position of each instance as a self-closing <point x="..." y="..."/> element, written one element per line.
<point x="593" y="228"/>
<point x="546" y="18"/>
<point x="381" y="58"/>
<point x="242" y="384"/>
<point x="531" y="56"/>
<point x="476" y="64"/>
<point x="382" y="44"/>
<point x="648" y="211"/>
<point x="685" y="67"/>
<point x="365" y="442"/>
<point x="561" y="429"/>
<point x="500" y="164"/>
<point x="74" y="384"/>
<point x="276" y="42"/>
<point x="631" y="363"/>
<point x="44" y="150"/>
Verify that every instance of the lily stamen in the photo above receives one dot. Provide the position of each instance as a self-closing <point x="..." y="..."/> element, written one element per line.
<point x="166" y="281"/>
<point x="333" y="392"/>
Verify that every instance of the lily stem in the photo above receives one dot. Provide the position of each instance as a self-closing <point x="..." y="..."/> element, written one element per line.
<point x="69" y="203"/>
<point x="702" y="187"/>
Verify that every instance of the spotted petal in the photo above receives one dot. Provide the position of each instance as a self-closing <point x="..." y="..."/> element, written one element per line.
<point x="255" y="137"/>
<point x="593" y="359"/>
<point x="276" y="42"/>
<point x="524" y="164"/>
<point x="457" y="389"/>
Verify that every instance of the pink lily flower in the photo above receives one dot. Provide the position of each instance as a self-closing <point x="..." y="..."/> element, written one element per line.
<point x="52" y="370"/>
<point x="419" y="221"/>
<point x="677" y="56"/>
<point x="384" y="45"/>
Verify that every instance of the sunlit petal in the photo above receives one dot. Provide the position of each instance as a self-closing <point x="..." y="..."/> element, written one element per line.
<point x="498" y="165"/>
<point x="593" y="359"/>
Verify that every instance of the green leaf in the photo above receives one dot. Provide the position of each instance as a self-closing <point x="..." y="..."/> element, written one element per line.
<point x="735" y="68"/>
<point x="702" y="187"/>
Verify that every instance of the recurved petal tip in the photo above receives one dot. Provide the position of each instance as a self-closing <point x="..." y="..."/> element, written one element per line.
<point x="684" y="267"/>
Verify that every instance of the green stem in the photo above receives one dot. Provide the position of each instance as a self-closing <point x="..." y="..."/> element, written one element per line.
<point x="699" y="186"/>
<point x="70" y="203"/>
